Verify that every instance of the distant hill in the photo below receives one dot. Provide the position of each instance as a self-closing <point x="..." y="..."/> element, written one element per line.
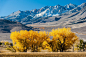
<point x="7" y="26"/>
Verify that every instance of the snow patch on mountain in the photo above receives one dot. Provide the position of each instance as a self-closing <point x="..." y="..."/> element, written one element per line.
<point x="47" y="11"/>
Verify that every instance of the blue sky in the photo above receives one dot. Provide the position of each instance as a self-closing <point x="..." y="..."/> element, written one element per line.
<point x="9" y="6"/>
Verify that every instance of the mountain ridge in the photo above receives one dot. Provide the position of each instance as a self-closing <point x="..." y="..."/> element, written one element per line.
<point x="26" y="17"/>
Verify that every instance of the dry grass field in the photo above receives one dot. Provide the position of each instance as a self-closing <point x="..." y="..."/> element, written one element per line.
<point x="45" y="54"/>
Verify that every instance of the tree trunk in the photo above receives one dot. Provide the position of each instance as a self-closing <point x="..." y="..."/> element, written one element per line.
<point x="32" y="48"/>
<point x="83" y="46"/>
<point x="61" y="50"/>
<point x="73" y="48"/>
<point x="25" y="50"/>
<point x="80" y="49"/>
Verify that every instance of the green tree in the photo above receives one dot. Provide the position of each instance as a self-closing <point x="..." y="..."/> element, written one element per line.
<point x="81" y="45"/>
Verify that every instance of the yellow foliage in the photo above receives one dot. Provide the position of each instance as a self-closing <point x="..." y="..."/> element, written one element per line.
<point x="65" y="36"/>
<point x="45" y="46"/>
<point x="24" y="39"/>
<point x="21" y="40"/>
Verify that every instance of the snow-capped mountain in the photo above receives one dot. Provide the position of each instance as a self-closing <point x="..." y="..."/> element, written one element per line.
<point x="52" y="10"/>
<point x="47" y="11"/>
<point x="78" y="8"/>
<point x="70" y="6"/>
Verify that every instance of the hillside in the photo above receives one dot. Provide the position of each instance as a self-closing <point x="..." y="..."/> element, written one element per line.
<point x="7" y="26"/>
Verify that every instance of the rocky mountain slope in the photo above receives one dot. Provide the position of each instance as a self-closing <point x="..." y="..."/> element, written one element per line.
<point x="74" y="20"/>
<point x="28" y="17"/>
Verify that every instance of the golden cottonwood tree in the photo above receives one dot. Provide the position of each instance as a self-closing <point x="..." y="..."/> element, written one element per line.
<point x="21" y="40"/>
<point x="28" y="39"/>
<point x="63" y="38"/>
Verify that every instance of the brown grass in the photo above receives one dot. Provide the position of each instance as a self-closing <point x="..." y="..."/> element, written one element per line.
<point x="45" y="54"/>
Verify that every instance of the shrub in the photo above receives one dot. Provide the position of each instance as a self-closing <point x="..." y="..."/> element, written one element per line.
<point x="0" y="43"/>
